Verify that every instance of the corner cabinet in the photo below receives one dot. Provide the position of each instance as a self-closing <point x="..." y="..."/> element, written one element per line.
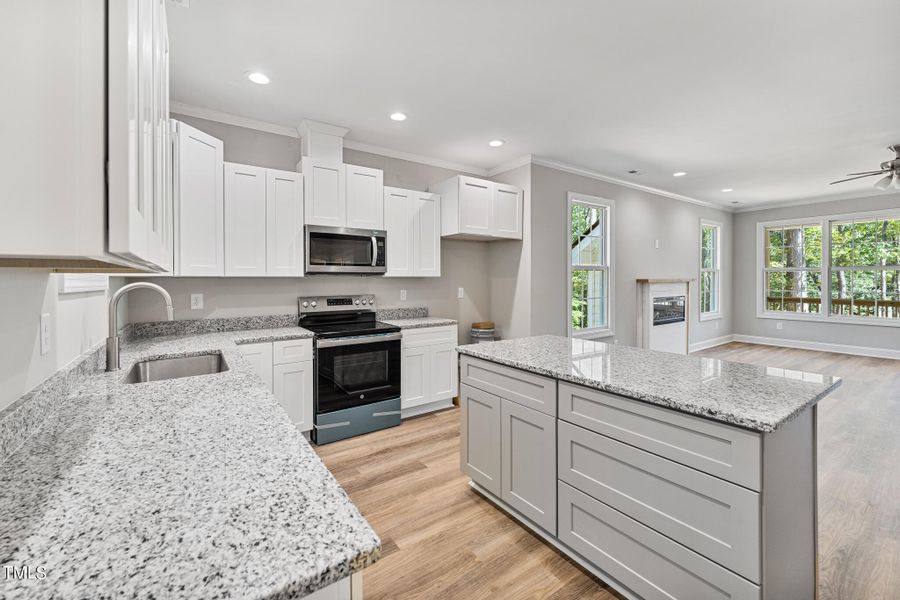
<point x="341" y="195"/>
<point x="412" y="220"/>
<point x="479" y="209"/>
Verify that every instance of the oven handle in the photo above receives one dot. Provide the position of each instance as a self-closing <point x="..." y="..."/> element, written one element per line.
<point x="355" y="341"/>
<point x="374" y="252"/>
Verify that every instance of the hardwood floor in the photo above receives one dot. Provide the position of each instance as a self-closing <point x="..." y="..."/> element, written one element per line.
<point x="441" y="540"/>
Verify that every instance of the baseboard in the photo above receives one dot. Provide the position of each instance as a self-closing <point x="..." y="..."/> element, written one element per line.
<point x="703" y="345"/>
<point x="820" y="346"/>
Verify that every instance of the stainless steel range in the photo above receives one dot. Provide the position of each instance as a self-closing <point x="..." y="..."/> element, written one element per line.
<point x="357" y="363"/>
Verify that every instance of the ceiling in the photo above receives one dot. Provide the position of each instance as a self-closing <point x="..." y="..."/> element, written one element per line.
<point x="772" y="98"/>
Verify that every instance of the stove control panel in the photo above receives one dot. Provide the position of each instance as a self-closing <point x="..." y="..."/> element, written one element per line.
<point x="311" y="304"/>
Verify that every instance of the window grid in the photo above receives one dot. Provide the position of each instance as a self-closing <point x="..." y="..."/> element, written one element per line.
<point x="710" y="234"/>
<point x="865" y="267"/>
<point x="793" y="268"/>
<point x="589" y="266"/>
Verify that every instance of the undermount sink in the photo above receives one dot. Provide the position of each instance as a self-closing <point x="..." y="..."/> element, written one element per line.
<point x="175" y="368"/>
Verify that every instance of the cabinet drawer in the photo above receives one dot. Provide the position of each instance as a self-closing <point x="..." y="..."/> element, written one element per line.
<point x="717" y="449"/>
<point x="713" y="517"/>
<point x="291" y="351"/>
<point x="651" y="565"/>
<point x="429" y="336"/>
<point x="519" y="386"/>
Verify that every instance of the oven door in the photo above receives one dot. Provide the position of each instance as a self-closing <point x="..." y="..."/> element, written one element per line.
<point x="356" y="371"/>
<point x="344" y="250"/>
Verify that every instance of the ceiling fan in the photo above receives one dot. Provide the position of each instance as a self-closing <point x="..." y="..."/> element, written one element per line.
<point x="889" y="168"/>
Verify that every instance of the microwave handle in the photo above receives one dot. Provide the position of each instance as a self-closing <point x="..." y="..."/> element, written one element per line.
<point x="374" y="251"/>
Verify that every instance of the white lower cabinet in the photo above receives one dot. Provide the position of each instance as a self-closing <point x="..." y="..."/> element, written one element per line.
<point x="428" y="367"/>
<point x="291" y="381"/>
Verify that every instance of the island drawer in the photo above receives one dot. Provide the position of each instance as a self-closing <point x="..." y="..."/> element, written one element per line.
<point x="713" y="517"/>
<point x="721" y="450"/>
<point x="651" y="565"/>
<point x="519" y="386"/>
<point x="290" y="351"/>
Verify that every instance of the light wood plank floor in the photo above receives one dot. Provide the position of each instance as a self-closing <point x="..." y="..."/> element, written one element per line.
<point x="441" y="540"/>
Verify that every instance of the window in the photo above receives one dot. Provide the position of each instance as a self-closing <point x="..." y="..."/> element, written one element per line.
<point x="864" y="267"/>
<point x="793" y="274"/>
<point x="710" y="234"/>
<point x="841" y="268"/>
<point x="590" y="266"/>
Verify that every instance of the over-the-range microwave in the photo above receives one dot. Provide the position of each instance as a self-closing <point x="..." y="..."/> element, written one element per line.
<point x="342" y="250"/>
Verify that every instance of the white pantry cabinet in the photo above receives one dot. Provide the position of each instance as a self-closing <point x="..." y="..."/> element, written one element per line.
<point x="479" y="209"/>
<point x="341" y="195"/>
<point x="289" y="379"/>
<point x="245" y="221"/>
<point x="95" y="85"/>
<point x="199" y="203"/>
<point x="428" y="369"/>
<point x="413" y="225"/>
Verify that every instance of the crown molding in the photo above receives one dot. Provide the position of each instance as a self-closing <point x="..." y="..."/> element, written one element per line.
<point x="418" y="158"/>
<point x="509" y="166"/>
<point x="819" y="200"/>
<point x="307" y="126"/>
<point x="222" y="117"/>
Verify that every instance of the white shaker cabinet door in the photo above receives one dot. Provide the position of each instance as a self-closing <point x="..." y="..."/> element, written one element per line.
<point x="324" y="199"/>
<point x="284" y="223"/>
<point x="398" y="223"/>
<point x="426" y="214"/>
<point x="364" y="189"/>
<point x="480" y="437"/>
<point x="507" y="212"/>
<point x="245" y="221"/>
<point x="294" y="391"/>
<point x="476" y="197"/>
<point x="442" y="381"/>
<point x="260" y="357"/>
<point x="414" y="371"/>
<point x="199" y="203"/>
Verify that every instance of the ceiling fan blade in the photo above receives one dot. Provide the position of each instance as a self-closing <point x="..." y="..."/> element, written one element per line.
<point x="857" y="177"/>
<point x="868" y="172"/>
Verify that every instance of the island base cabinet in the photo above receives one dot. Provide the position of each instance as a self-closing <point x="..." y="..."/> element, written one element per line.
<point x="649" y="564"/>
<point x="528" y="470"/>
<point x="480" y="437"/>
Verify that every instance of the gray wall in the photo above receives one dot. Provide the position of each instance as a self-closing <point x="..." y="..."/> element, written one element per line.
<point x="746" y="321"/>
<point x="249" y="146"/>
<point x="639" y="218"/>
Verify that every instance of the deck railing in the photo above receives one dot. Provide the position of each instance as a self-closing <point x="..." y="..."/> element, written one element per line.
<point x="884" y="309"/>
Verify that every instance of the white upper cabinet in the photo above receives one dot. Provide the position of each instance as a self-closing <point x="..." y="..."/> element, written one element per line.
<point x="199" y="203"/>
<point x="479" y="209"/>
<point x="364" y="188"/>
<point x="284" y="223"/>
<point x="413" y="225"/>
<point x="245" y="221"/>
<point x="325" y="197"/>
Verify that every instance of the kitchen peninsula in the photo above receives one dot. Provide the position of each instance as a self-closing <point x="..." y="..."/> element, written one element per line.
<point x="664" y="475"/>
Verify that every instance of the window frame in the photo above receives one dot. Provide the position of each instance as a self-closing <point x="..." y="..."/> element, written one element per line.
<point x="824" y="316"/>
<point x="718" y="313"/>
<point x="609" y="206"/>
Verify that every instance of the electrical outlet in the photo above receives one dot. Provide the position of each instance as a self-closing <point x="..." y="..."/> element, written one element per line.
<point x="402" y="295"/>
<point x="45" y="333"/>
<point x="779" y="325"/>
<point x="196" y="301"/>
<point x="460" y="293"/>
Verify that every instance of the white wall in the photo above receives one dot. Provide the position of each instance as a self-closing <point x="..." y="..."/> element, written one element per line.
<point x="746" y="321"/>
<point x="639" y="218"/>
<point x="78" y="322"/>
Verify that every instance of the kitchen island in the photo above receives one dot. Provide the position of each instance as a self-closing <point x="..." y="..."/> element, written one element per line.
<point x="667" y="476"/>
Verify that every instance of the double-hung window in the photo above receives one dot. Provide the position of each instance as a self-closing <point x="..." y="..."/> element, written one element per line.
<point x="590" y="266"/>
<point x="710" y="270"/>
<point x="838" y="268"/>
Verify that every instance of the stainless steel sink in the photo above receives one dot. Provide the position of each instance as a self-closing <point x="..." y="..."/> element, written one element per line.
<point x="175" y="368"/>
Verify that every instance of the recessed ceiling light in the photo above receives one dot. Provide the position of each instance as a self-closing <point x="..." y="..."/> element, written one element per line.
<point x="679" y="174"/>
<point x="257" y="77"/>
<point x="735" y="202"/>
<point x="496" y="143"/>
<point x="726" y="190"/>
<point x="398" y="116"/>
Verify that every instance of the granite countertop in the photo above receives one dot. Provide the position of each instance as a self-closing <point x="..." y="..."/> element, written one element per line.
<point x="756" y="398"/>
<point x="418" y="322"/>
<point x="188" y="488"/>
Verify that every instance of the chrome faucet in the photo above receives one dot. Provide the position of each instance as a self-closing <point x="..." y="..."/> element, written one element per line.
<point x="112" y="342"/>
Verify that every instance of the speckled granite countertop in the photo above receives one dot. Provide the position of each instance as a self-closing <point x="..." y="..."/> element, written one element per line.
<point x="757" y="398"/>
<point x="188" y="488"/>
<point x="416" y="323"/>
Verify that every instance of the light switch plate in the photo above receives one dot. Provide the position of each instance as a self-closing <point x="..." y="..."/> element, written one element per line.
<point x="461" y="293"/>
<point x="196" y="301"/>
<point x="402" y="295"/>
<point x="45" y="333"/>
